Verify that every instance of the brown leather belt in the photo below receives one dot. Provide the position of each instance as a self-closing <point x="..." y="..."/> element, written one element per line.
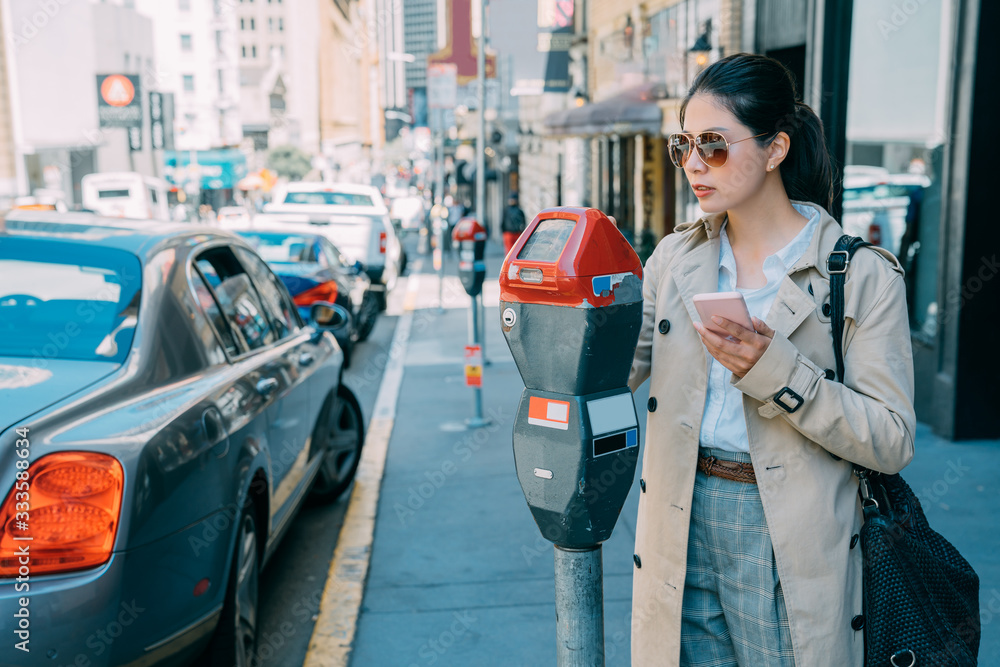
<point x="732" y="470"/>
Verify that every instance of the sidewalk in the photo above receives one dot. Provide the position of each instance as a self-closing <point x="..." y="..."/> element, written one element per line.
<point x="459" y="574"/>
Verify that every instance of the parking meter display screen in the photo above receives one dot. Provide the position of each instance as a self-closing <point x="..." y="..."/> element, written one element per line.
<point x="548" y="240"/>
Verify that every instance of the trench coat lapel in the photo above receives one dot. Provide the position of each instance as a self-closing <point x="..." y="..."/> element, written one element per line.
<point x="698" y="270"/>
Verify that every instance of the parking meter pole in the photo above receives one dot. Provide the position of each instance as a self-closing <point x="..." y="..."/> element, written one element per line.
<point x="477" y="420"/>
<point x="579" y="607"/>
<point x="482" y="326"/>
<point x="571" y="309"/>
<point x="470" y="238"/>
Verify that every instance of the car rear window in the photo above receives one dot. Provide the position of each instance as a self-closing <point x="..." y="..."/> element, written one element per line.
<point x="282" y="248"/>
<point x="323" y="198"/>
<point x="115" y="194"/>
<point x="63" y="300"/>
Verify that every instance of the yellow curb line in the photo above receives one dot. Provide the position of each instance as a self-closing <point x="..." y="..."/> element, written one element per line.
<point x="333" y="634"/>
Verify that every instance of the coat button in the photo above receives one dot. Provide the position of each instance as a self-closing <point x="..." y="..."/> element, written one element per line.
<point x="858" y="622"/>
<point x="638" y="561"/>
<point x="642" y="484"/>
<point x="854" y="540"/>
<point x="651" y="404"/>
<point x="827" y="310"/>
<point x="829" y="373"/>
<point x="664" y="326"/>
<point x="810" y="288"/>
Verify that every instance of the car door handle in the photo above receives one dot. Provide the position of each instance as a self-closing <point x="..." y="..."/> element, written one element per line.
<point x="305" y="359"/>
<point x="266" y="386"/>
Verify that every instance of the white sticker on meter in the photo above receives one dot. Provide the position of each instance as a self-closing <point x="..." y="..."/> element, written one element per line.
<point x="614" y="413"/>
<point x="543" y="473"/>
<point x="509" y="317"/>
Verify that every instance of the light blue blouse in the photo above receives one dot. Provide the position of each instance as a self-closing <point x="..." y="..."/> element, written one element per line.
<point x="723" y="425"/>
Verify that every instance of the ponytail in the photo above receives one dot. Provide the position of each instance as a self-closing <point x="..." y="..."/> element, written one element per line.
<point x="760" y="92"/>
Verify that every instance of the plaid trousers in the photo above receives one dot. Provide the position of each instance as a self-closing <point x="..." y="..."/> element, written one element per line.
<point x="733" y="611"/>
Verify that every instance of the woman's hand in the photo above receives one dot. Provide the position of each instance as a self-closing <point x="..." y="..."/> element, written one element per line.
<point x="741" y="354"/>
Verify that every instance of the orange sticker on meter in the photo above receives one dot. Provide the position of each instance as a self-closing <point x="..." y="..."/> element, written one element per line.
<point x="548" y="413"/>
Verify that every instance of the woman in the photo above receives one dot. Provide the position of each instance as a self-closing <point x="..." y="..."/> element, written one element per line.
<point x="756" y="563"/>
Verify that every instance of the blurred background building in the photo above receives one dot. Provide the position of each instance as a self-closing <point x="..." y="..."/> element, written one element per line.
<point x="580" y="97"/>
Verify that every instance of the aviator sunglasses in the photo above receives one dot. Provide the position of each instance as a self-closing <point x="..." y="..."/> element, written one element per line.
<point x="713" y="148"/>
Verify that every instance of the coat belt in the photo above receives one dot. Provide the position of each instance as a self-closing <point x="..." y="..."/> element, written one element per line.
<point x="731" y="470"/>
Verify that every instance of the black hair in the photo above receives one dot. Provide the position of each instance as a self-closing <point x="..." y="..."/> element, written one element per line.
<point x="760" y="92"/>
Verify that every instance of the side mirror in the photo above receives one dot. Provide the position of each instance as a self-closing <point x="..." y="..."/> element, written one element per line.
<point x="326" y="315"/>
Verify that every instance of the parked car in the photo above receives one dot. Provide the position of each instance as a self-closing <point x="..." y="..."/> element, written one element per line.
<point x="125" y="194"/>
<point x="313" y="269"/>
<point x="407" y="213"/>
<point x="168" y="411"/>
<point x="354" y="217"/>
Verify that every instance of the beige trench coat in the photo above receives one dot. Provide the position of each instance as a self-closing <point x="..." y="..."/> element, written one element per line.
<point x="809" y="495"/>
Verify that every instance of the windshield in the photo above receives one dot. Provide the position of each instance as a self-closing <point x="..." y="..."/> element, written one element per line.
<point x="63" y="300"/>
<point x="323" y="198"/>
<point x="282" y="248"/>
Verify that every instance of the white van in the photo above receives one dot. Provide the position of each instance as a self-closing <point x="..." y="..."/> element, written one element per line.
<point x="126" y="195"/>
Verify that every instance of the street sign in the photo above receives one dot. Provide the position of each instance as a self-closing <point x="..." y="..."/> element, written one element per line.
<point x="442" y="86"/>
<point x="461" y="49"/>
<point x="119" y="102"/>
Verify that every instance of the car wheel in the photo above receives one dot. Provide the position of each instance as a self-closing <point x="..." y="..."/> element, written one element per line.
<point x="343" y="436"/>
<point x="367" y="315"/>
<point x="235" y="640"/>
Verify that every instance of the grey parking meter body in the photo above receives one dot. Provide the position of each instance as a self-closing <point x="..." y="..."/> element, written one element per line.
<point x="571" y="309"/>
<point x="470" y="237"/>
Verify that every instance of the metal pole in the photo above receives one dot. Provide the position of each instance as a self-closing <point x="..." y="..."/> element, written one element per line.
<point x="439" y="222"/>
<point x="482" y="326"/>
<point x="476" y="421"/>
<point x="579" y="607"/>
<point x="481" y="134"/>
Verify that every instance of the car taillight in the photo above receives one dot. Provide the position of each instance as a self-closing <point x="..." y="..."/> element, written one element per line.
<point x="64" y="516"/>
<point x="381" y="242"/>
<point x="323" y="292"/>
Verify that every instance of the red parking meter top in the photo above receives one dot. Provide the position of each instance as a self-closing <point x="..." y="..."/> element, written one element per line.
<point x="468" y="229"/>
<point x="573" y="257"/>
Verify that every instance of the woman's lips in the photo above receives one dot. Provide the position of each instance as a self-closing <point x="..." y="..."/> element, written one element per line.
<point x="702" y="190"/>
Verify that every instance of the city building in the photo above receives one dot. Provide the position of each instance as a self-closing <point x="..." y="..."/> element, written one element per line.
<point x="350" y="116"/>
<point x="9" y="186"/>
<point x="196" y="44"/>
<point x="420" y="39"/>
<point x="279" y="69"/>
<point x="57" y="135"/>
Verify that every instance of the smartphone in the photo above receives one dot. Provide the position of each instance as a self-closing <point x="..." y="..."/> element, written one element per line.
<point x="729" y="305"/>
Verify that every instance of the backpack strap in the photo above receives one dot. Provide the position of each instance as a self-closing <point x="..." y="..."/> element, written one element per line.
<point x="836" y="264"/>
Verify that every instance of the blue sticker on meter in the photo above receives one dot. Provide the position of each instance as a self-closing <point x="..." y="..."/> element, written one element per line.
<point x="604" y="284"/>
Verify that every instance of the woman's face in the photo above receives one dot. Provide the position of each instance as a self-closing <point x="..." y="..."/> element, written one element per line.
<point x="723" y="188"/>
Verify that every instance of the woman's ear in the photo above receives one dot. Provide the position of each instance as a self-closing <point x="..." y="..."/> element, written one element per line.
<point x="778" y="150"/>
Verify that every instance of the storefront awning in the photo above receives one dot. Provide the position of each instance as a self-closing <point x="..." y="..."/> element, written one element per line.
<point x="632" y="111"/>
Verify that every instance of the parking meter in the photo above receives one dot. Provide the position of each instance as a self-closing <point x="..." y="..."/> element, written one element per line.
<point x="571" y="310"/>
<point x="470" y="236"/>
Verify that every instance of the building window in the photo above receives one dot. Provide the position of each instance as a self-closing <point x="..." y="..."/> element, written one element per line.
<point x="222" y="81"/>
<point x="184" y="5"/>
<point x="243" y="24"/>
<point x="281" y="24"/>
<point x="128" y="62"/>
<point x="243" y="50"/>
<point x="189" y="83"/>
<point x="253" y="51"/>
<point x="253" y="24"/>
<point x="270" y="25"/>
<point x="185" y="42"/>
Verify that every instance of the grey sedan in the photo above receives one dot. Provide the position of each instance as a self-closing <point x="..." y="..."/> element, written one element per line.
<point x="164" y="413"/>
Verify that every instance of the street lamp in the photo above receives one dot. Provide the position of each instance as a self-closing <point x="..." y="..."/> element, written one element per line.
<point x="703" y="45"/>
